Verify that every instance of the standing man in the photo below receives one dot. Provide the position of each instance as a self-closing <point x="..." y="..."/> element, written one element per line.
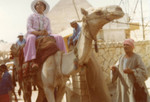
<point x="5" y="84"/>
<point x="21" y="41"/>
<point x="129" y="73"/>
<point x="76" y="33"/>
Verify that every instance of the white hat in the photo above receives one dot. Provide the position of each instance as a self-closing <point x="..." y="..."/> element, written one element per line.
<point x="34" y="3"/>
<point x="20" y="34"/>
<point x="73" y="21"/>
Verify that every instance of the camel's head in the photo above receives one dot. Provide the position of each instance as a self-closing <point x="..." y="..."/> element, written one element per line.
<point x="14" y="49"/>
<point x="97" y="18"/>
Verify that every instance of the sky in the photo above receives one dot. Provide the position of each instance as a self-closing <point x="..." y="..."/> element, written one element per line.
<point x="14" y="14"/>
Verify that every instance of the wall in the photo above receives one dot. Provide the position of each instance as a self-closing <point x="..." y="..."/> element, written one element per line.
<point x="115" y="31"/>
<point x="109" y="53"/>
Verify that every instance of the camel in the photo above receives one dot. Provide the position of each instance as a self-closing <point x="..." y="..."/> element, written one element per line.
<point x="15" y="52"/>
<point x="58" y="67"/>
<point x="23" y="84"/>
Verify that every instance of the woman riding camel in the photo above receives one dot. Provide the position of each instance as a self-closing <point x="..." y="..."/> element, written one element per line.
<point x="38" y="25"/>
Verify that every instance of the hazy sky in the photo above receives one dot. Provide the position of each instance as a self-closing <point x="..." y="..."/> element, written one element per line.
<point x="14" y="14"/>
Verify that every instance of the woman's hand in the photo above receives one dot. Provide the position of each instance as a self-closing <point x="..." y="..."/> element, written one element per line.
<point x="36" y="33"/>
<point x="128" y="71"/>
<point x="44" y="32"/>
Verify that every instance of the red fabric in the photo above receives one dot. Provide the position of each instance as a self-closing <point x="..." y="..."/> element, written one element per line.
<point x="4" y="98"/>
<point x="45" y="46"/>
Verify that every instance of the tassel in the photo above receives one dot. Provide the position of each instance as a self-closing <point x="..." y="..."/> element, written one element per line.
<point x="96" y="48"/>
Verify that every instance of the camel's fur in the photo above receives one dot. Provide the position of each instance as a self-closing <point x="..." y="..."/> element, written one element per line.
<point x="52" y="78"/>
<point x="92" y="22"/>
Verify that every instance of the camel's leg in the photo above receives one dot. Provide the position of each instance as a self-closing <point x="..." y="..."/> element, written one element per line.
<point x="33" y="84"/>
<point x="26" y="86"/>
<point x="48" y="88"/>
<point x="60" y="93"/>
<point x="47" y="75"/>
<point x="20" y="87"/>
<point x="14" y="77"/>
<point x="41" y="95"/>
<point x="49" y="93"/>
<point x="34" y="87"/>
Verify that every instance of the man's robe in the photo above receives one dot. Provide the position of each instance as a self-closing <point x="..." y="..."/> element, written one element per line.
<point x="125" y="81"/>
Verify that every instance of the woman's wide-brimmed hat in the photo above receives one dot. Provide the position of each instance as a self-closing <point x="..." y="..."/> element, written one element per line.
<point x="34" y="3"/>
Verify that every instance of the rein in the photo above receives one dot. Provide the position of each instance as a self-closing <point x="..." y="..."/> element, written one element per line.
<point x="91" y="36"/>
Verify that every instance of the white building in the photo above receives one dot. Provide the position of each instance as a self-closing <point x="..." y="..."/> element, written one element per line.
<point x="115" y="31"/>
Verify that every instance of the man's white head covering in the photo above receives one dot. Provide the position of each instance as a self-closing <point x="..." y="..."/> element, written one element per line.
<point x="73" y="21"/>
<point x="34" y="3"/>
<point x="20" y="35"/>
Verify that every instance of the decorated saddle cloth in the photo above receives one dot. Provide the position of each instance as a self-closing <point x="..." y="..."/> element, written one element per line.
<point x="45" y="47"/>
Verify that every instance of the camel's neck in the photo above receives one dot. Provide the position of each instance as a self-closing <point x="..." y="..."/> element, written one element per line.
<point x="84" y="47"/>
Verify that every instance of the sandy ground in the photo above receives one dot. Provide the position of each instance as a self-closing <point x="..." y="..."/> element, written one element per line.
<point x="20" y="98"/>
<point x="35" y="93"/>
<point x="34" y="96"/>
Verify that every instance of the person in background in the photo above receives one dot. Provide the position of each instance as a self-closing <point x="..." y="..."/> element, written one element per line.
<point x="1" y="74"/>
<point x="38" y="25"/>
<point x="5" y="85"/>
<point x="21" y="41"/>
<point x="129" y="72"/>
<point x="76" y="33"/>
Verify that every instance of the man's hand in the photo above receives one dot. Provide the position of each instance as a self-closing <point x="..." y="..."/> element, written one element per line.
<point x="71" y="41"/>
<point x="75" y="42"/>
<point x="113" y="68"/>
<point x="128" y="71"/>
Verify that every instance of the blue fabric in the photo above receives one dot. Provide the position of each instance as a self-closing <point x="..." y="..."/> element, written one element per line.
<point x="76" y="34"/>
<point x="20" y="43"/>
<point x="5" y="83"/>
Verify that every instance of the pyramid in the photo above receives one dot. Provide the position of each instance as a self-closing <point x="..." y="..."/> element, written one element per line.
<point x="63" y="12"/>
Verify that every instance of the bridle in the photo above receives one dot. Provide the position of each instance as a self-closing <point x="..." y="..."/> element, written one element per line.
<point x="88" y="26"/>
<point x="90" y="37"/>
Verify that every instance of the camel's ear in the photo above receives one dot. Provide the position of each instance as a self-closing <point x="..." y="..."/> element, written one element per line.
<point x="84" y="12"/>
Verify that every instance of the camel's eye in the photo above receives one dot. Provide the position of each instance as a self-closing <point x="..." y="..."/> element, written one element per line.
<point x="99" y="12"/>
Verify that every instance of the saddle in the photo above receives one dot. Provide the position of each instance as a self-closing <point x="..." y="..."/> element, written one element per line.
<point x="45" y="47"/>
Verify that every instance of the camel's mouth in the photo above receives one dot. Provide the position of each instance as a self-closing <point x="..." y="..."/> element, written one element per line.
<point x="114" y="12"/>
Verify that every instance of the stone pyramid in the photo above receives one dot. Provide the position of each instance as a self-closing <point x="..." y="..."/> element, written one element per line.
<point x="63" y="12"/>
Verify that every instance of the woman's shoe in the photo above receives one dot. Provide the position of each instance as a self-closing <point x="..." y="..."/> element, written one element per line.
<point x="34" y="66"/>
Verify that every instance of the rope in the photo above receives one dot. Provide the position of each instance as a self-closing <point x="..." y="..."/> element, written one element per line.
<point x="92" y="38"/>
<point x="135" y="6"/>
<point x="120" y="2"/>
<point x="76" y="9"/>
<point x="88" y="87"/>
<point x="116" y="22"/>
